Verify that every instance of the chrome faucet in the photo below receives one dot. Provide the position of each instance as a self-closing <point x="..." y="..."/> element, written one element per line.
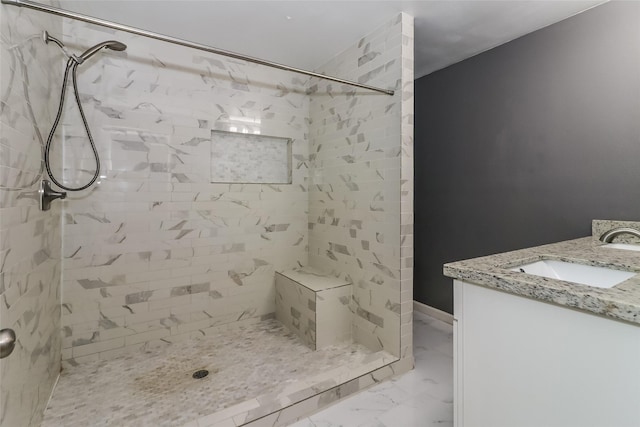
<point x="608" y="236"/>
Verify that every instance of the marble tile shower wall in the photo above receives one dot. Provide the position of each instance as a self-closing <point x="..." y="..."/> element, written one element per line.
<point x="29" y="238"/>
<point x="156" y="253"/>
<point x="359" y="142"/>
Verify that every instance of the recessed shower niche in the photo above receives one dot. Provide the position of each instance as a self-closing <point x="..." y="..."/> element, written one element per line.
<point x="250" y="158"/>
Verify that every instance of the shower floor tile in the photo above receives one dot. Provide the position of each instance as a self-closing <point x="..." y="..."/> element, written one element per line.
<point x="253" y="371"/>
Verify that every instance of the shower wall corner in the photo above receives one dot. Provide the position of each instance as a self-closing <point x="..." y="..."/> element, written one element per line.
<point x="361" y="185"/>
<point x="30" y="240"/>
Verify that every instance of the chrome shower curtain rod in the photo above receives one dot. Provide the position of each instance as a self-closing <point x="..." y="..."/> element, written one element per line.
<point x="169" y="39"/>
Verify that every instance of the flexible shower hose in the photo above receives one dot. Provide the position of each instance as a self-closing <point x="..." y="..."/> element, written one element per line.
<point x="72" y="65"/>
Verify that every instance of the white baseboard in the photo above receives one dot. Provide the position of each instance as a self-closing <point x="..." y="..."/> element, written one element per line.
<point x="433" y="312"/>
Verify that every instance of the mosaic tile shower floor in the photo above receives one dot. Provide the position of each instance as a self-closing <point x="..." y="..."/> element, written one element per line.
<point x="254" y="370"/>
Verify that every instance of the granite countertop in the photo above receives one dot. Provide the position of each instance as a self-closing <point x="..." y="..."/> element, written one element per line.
<point x="620" y="302"/>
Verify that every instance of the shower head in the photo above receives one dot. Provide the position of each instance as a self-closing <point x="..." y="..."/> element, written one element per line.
<point x="109" y="44"/>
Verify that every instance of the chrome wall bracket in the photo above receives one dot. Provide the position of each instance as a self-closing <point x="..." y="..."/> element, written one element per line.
<point x="47" y="195"/>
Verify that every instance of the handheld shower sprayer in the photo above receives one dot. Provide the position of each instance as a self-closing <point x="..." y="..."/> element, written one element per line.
<point x="72" y="67"/>
<point x="109" y="44"/>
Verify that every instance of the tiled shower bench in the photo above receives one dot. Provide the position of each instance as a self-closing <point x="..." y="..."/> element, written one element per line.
<point x="314" y="305"/>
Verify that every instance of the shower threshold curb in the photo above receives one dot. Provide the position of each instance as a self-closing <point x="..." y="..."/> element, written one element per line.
<point x="304" y="397"/>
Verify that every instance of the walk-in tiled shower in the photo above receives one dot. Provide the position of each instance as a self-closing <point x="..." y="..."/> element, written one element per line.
<point x="216" y="175"/>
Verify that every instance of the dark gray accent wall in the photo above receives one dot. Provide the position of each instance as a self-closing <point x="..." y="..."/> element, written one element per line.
<point x="526" y="143"/>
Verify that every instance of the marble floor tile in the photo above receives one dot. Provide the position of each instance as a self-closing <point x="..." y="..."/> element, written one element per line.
<point x="254" y="370"/>
<point x="156" y="389"/>
<point x="420" y="398"/>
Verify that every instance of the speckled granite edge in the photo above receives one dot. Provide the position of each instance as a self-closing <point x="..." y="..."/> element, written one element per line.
<point x="600" y="226"/>
<point x="621" y="302"/>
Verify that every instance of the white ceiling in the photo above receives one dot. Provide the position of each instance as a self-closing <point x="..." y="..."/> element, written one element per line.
<point x="306" y="34"/>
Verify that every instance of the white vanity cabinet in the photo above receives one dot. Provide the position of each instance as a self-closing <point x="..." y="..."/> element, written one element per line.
<point x="520" y="362"/>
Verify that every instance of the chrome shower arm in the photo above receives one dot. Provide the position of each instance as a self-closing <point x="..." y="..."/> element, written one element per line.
<point x="49" y="38"/>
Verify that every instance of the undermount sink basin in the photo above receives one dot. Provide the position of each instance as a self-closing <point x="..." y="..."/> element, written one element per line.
<point x="623" y="246"/>
<point x="600" y="277"/>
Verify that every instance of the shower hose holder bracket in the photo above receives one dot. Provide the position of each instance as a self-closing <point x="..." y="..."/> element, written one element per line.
<point x="47" y="195"/>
